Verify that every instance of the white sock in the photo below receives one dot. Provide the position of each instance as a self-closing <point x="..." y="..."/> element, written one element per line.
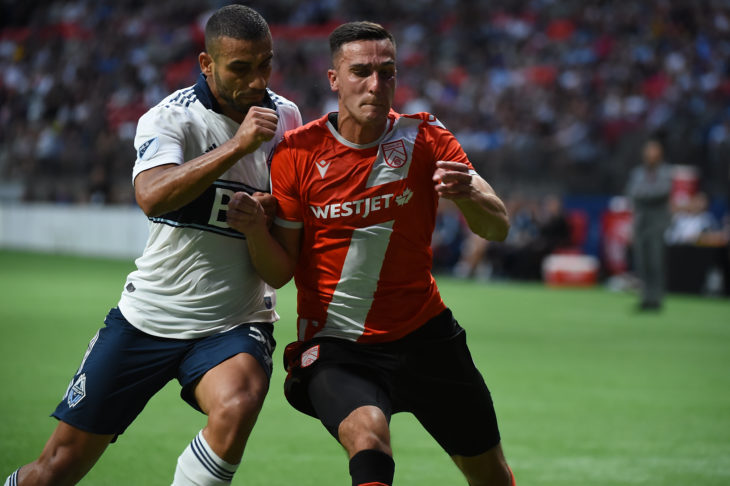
<point x="12" y="479"/>
<point x="198" y="465"/>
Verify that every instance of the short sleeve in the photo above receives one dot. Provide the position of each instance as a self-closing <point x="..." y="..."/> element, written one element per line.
<point x="444" y="143"/>
<point x="160" y="138"/>
<point x="285" y="188"/>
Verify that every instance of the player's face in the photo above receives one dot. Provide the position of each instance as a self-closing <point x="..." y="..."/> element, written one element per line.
<point x="364" y="77"/>
<point x="238" y="73"/>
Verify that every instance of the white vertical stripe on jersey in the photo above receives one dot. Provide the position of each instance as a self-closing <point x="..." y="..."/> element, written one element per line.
<point x="353" y="296"/>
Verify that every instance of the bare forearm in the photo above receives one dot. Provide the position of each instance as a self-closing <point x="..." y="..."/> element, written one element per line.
<point x="169" y="187"/>
<point x="273" y="252"/>
<point x="175" y="186"/>
<point x="484" y="211"/>
<point x="271" y="261"/>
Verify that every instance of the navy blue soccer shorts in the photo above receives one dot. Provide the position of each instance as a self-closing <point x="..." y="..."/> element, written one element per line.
<point x="429" y="373"/>
<point x="124" y="367"/>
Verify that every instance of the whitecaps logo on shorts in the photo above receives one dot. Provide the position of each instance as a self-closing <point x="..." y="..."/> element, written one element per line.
<point x="310" y="356"/>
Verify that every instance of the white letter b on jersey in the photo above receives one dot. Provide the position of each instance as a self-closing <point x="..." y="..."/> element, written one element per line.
<point x="220" y="206"/>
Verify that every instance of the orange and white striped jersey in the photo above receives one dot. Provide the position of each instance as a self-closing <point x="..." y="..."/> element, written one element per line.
<point x="367" y="213"/>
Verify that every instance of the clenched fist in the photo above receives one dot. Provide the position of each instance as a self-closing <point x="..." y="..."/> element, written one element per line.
<point x="258" y="127"/>
<point x="248" y="212"/>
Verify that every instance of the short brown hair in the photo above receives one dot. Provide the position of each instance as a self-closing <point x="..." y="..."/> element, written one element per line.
<point x="356" y="31"/>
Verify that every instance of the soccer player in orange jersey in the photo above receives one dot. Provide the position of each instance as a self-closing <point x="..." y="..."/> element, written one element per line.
<point x="357" y="193"/>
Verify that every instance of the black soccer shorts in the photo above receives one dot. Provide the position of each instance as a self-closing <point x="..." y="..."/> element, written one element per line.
<point x="429" y="373"/>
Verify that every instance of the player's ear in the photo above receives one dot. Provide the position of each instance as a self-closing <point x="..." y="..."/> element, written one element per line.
<point x="206" y="63"/>
<point x="332" y="76"/>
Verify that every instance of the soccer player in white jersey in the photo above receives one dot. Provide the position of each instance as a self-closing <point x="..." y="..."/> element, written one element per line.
<point x="357" y="193"/>
<point x="194" y="309"/>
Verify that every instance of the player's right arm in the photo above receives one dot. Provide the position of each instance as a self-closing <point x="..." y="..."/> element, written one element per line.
<point x="168" y="187"/>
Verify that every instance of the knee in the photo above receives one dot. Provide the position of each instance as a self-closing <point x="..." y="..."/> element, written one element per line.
<point x="365" y="429"/>
<point x="238" y="410"/>
<point x="363" y="440"/>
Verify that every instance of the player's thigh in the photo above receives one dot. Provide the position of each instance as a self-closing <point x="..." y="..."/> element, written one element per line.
<point x="446" y="392"/>
<point x="336" y="392"/>
<point x="239" y="382"/>
<point x="232" y="367"/>
<point x="121" y="370"/>
<point x="461" y="417"/>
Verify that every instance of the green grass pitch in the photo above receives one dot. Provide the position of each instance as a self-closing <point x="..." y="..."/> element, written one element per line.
<point x="587" y="391"/>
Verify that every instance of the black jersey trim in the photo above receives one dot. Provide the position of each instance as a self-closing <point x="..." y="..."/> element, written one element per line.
<point x="197" y="213"/>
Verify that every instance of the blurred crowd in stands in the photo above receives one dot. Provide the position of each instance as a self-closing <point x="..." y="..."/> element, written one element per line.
<point x="548" y="97"/>
<point x="542" y="225"/>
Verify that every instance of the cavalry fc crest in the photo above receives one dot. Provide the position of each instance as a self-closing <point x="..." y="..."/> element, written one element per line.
<point x="310" y="356"/>
<point x="395" y="154"/>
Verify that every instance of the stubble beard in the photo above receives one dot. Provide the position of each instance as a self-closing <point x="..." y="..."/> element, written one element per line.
<point x="227" y="95"/>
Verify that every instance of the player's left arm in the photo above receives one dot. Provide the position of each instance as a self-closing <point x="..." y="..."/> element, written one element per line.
<point x="484" y="211"/>
<point x="273" y="249"/>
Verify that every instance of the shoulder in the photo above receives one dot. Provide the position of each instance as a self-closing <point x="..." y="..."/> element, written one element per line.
<point x="423" y="118"/>
<point x="287" y="109"/>
<point x="184" y="99"/>
<point x="297" y="145"/>
<point x="427" y="126"/>
<point x="281" y="102"/>
<point x="305" y="134"/>
<point x="175" y="108"/>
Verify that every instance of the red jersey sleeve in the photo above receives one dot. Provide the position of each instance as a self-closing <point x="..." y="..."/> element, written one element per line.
<point x="284" y="185"/>
<point x="444" y="143"/>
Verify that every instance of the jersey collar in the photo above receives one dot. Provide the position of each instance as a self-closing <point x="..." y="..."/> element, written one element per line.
<point x="205" y="95"/>
<point x="331" y="124"/>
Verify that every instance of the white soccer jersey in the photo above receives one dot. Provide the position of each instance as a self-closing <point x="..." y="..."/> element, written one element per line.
<point x="195" y="277"/>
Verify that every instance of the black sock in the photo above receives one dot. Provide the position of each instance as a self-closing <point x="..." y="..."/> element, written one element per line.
<point x="372" y="466"/>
